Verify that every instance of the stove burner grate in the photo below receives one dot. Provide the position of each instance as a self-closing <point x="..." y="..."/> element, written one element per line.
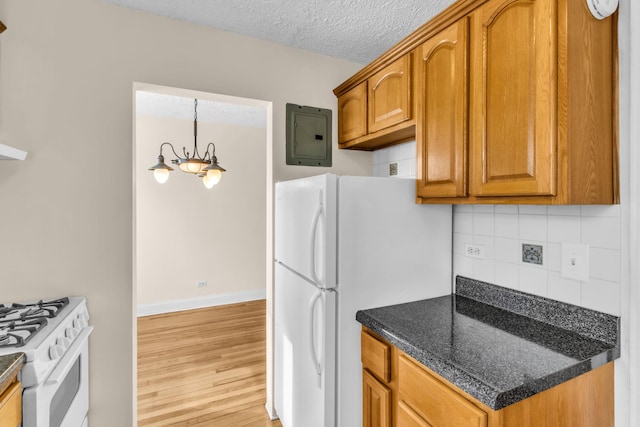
<point x="5" y="311"/>
<point x="17" y="334"/>
<point x="41" y="308"/>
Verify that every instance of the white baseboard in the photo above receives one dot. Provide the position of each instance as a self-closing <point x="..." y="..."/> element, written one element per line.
<point x="201" y="302"/>
<point x="271" y="412"/>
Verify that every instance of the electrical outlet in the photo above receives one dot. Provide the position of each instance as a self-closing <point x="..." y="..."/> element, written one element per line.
<point x="201" y="284"/>
<point x="575" y="261"/>
<point x="474" y="251"/>
<point x="532" y="254"/>
<point x="393" y="169"/>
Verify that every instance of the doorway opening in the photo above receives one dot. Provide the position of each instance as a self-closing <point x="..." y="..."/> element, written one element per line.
<point x="196" y="247"/>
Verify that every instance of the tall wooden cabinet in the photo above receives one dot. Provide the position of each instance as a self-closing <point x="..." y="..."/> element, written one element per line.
<point x="542" y="114"/>
<point x="513" y="116"/>
<point x="442" y="84"/>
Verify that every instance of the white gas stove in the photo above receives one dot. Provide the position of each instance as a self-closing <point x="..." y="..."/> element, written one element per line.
<point x="53" y="335"/>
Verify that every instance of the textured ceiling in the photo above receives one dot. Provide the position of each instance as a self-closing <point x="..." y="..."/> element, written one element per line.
<point x="179" y="107"/>
<point x="356" y="30"/>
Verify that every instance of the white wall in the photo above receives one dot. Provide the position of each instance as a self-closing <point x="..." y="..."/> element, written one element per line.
<point x="66" y="213"/>
<point x="630" y="158"/>
<point x="403" y="155"/>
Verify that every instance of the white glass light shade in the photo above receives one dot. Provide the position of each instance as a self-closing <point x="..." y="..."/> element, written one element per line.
<point x="214" y="175"/>
<point x="207" y="182"/>
<point x="211" y="178"/>
<point x="161" y="175"/>
<point x="192" y="166"/>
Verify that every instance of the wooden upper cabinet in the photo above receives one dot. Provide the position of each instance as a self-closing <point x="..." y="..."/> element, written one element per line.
<point x="378" y="111"/>
<point x="352" y="113"/>
<point x="441" y="120"/>
<point x="542" y="112"/>
<point x="510" y="101"/>
<point x="513" y="120"/>
<point x="389" y="95"/>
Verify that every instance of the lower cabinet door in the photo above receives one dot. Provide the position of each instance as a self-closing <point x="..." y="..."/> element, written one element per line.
<point x="376" y="402"/>
<point x="434" y="401"/>
<point x="11" y="406"/>
<point x="408" y="418"/>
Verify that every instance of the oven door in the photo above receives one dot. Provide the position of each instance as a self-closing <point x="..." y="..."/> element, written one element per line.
<point x="62" y="400"/>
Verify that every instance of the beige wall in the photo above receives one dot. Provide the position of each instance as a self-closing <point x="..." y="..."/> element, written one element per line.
<point x="186" y="233"/>
<point x="66" y="79"/>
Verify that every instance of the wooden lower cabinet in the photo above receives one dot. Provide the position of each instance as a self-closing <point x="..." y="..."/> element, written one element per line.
<point x="433" y="401"/>
<point x="376" y="402"/>
<point x="415" y="396"/>
<point x="407" y="417"/>
<point x="11" y="406"/>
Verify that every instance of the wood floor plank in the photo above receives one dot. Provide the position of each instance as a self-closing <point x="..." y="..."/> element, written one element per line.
<point x="203" y="367"/>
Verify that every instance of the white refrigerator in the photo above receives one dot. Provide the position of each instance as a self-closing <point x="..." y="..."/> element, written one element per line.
<point x="345" y="243"/>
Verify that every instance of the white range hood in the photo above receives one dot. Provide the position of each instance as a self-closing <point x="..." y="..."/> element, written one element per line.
<point x="10" y="153"/>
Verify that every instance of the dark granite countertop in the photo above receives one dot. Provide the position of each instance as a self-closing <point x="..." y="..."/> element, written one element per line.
<point x="499" y="345"/>
<point x="9" y="364"/>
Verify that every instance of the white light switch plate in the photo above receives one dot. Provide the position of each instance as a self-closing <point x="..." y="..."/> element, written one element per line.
<point x="575" y="261"/>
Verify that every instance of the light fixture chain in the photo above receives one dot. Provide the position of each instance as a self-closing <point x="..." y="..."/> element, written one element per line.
<point x="195" y="128"/>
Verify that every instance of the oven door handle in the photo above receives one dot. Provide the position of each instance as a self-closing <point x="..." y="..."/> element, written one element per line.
<point x="69" y="358"/>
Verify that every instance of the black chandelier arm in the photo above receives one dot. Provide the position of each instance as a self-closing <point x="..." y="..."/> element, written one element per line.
<point x="213" y="150"/>
<point x="172" y="149"/>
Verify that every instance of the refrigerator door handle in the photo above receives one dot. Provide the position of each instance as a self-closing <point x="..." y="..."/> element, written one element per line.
<point x="312" y="241"/>
<point x="312" y="342"/>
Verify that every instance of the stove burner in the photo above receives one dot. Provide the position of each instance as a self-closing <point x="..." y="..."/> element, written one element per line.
<point x="5" y="311"/>
<point x="41" y="309"/>
<point x="17" y="334"/>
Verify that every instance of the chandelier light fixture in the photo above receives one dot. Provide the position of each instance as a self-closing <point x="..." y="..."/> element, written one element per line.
<point x="205" y="166"/>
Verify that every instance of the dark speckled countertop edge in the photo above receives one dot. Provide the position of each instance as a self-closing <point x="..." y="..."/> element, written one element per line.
<point x="476" y="387"/>
<point x="590" y="323"/>
<point x="8" y="365"/>
<point x="450" y="372"/>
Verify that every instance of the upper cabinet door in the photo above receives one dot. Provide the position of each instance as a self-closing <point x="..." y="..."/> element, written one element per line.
<point x="441" y="125"/>
<point x="352" y="113"/>
<point x="513" y="101"/>
<point x="390" y="95"/>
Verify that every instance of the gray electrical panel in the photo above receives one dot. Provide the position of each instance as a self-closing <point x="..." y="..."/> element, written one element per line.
<point x="308" y="136"/>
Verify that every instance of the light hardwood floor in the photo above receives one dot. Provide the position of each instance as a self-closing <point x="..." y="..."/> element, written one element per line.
<point x="203" y="367"/>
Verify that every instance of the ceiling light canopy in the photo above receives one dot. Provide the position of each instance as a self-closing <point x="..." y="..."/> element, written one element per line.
<point x="205" y="166"/>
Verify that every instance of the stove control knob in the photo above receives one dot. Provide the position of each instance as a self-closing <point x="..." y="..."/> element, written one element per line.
<point x="63" y="342"/>
<point x="71" y="333"/>
<point x="55" y="352"/>
<point x="79" y="323"/>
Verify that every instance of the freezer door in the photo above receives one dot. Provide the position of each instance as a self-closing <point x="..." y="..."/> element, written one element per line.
<point x="304" y="352"/>
<point x="305" y="229"/>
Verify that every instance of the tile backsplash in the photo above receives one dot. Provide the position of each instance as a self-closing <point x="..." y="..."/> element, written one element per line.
<point x="502" y="229"/>
<point x="404" y="155"/>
